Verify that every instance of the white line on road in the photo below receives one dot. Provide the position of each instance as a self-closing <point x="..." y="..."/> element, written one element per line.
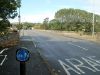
<point x="5" y="56"/>
<point x="4" y="50"/>
<point x="34" y="44"/>
<point x="78" y="46"/>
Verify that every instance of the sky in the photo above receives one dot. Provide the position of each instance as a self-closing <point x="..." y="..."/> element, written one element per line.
<point x="36" y="11"/>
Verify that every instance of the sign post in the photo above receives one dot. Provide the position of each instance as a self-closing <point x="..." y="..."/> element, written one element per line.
<point x="22" y="55"/>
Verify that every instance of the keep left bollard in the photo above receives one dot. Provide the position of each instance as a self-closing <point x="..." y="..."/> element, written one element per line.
<point x="22" y="55"/>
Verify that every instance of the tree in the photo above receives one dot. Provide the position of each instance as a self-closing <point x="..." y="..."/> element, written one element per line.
<point x="8" y="9"/>
<point x="4" y="24"/>
<point x="19" y="27"/>
<point x="27" y="25"/>
<point x="54" y="24"/>
<point x="45" y="23"/>
<point x="88" y="27"/>
<point x="76" y="19"/>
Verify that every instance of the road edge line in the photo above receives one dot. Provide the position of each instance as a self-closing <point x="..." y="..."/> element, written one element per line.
<point x="52" y="72"/>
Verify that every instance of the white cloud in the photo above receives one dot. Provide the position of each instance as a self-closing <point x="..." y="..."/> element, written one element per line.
<point x="39" y="17"/>
<point x="95" y="2"/>
<point x="94" y="6"/>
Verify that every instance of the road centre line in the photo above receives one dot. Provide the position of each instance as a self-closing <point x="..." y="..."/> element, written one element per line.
<point x="78" y="46"/>
<point x="3" y="50"/>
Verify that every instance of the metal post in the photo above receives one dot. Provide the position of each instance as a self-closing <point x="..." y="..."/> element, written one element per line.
<point x="61" y="22"/>
<point x="19" y="19"/>
<point x="19" y="16"/>
<point x="22" y="68"/>
<point x="22" y="55"/>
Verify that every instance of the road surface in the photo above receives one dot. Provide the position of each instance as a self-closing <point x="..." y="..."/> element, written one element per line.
<point x="67" y="56"/>
<point x="10" y="66"/>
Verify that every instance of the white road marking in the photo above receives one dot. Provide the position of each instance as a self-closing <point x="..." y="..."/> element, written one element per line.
<point x="76" y="65"/>
<point x="5" y="56"/>
<point x="35" y="45"/>
<point x="78" y="46"/>
<point x="4" y="50"/>
<point x="79" y="65"/>
<point x="93" y="59"/>
<point x="92" y="64"/>
<point x="67" y="68"/>
<point x="59" y="71"/>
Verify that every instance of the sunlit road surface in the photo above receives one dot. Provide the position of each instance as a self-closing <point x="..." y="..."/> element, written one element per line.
<point x="68" y="56"/>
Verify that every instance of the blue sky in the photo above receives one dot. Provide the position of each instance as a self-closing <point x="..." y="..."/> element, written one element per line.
<point x="37" y="10"/>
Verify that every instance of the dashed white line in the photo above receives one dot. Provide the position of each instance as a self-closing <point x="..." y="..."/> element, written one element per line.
<point x="78" y="46"/>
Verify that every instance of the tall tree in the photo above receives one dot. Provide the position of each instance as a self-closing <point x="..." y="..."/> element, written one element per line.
<point x="45" y="23"/>
<point x="55" y="25"/>
<point x="76" y="19"/>
<point x="8" y="9"/>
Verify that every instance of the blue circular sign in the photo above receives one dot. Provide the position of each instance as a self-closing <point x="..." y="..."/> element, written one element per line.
<point x="22" y="55"/>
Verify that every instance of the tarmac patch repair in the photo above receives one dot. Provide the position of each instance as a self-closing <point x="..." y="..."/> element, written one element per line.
<point x="76" y="65"/>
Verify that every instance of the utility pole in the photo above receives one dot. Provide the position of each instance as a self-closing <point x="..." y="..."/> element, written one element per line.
<point x="93" y="24"/>
<point x="19" y="16"/>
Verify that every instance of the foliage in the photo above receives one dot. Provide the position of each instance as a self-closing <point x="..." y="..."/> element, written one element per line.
<point x="27" y="25"/>
<point x="39" y="26"/>
<point x="19" y="27"/>
<point x="54" y="25"/>
<point x="4" y="24"/>
<point x="8" y="9"/>
<point x="45" y="23"/>
<point x="74" y="20"/>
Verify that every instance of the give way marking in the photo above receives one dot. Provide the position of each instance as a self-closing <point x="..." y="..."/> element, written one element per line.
<point x="85" y="49"/>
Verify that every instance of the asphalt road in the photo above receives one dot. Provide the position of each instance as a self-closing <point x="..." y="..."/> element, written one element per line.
<point x="8" y="63"/>
<point x="10" y="66"/>
<point x="67" y="56"/>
